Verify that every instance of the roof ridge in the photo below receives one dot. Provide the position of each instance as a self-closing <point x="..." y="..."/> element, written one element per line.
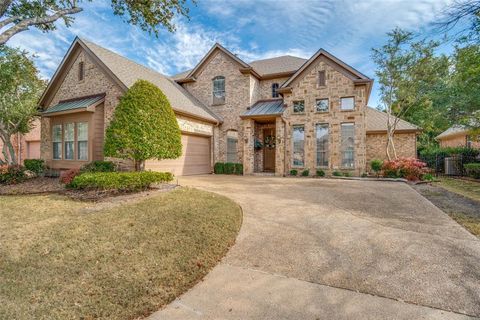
<point x="276" y="57"/>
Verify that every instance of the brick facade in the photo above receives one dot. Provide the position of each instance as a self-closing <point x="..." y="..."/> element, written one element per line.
<point x="405" y="146"/>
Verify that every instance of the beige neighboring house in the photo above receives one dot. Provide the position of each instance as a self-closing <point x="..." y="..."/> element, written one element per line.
<point x="26" y="146"/>
<point x="458" y="136"/>
<point x="272" y="115"/>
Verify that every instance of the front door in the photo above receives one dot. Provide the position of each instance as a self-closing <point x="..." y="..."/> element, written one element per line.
<point x="269" y="150"/>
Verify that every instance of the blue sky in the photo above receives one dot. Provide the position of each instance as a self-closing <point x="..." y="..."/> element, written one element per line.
<point x="253" y="29"/>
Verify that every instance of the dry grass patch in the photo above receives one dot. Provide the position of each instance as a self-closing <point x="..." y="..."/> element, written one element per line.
<point x="466" y="188"/>
<point x="59" y="262"/>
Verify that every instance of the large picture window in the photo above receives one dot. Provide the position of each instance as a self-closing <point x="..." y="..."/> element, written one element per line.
<point x="322" y="144"/>
<point x="348" y="145"/>
<point x="298" y="146"/>
<point x="219" y="90"/>
<point x="57" y="141"/>
<point x="82" y="141"/>
<point x="68" y="140"/>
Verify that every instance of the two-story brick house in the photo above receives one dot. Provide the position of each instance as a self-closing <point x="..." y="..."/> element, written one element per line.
<point x="271" y="115"/>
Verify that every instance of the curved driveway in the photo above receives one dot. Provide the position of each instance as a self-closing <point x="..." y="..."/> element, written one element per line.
<point x="335" y="249"/>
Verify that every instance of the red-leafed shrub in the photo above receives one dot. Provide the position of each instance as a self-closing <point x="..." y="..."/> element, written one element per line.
<point x="66" y="177"/>
<point x="409" y="168"/>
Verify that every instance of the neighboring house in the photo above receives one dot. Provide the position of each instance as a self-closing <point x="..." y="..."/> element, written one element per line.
<point x="271" y="115"/>
<point x="26" y="146"/>
<point x="458" y="136"/>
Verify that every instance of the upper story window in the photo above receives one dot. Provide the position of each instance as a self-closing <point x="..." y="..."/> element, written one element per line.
<point x="321" y="78"/>
<point x="321" y="105"/>
<point x="81" y="71"/>
<point x="219" y="90"/>
<point x="347" y="103"/>
<point x="299" y="106"/>
<point x="274" y="90"/>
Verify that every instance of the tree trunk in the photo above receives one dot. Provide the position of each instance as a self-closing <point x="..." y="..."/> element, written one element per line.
<point x="8" y="151"/>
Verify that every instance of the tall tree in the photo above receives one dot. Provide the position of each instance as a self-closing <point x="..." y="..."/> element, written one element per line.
<point x="463" y="18"/>
<point x="405" y="77"/>
<point x="20" y="15"/>
<point x="20" y="88"/>
<point x="143" y="127"/>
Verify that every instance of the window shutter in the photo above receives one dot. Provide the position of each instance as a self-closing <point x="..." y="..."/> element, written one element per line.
<point x="321" y="78"/>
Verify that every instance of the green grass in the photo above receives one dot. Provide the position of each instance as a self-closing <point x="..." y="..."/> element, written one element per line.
<point x="469" y="189"/>
<point x="61" y="260"/>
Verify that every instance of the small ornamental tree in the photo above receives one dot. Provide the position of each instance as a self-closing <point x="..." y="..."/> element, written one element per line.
<point x="143" y="127"/>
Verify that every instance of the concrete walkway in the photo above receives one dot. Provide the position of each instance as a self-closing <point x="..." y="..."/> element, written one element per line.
<point x="335" y="249"/>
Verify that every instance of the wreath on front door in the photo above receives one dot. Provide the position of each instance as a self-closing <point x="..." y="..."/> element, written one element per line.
<point x="269" y="142"/>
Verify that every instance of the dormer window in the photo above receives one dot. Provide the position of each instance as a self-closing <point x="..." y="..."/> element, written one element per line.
<point x="219" y="90"/>
<point x="81" y="71"/>
<point x="274" y="90"/>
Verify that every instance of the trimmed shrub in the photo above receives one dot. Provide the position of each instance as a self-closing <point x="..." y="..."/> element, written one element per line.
<point x="35" y="165"/>
<point x="229" y="168"/>
<point x="347" y="174"/>
<point x="143" y="126"/>
<point x="428" y="177"/>
<point x="473" y="170"/>
<point x="99" y="166"/>
<point x="305" y="173"/>
<point x="376" y="165"/>
<point x="120" y="181"/>
<point x="320" y="173"/>
<point x="219" y="168"/>
<point x="337" y="173"/>
<point x="238" y="168"/>
<point x="66" y="177"/>
<point x="364" y="175"/>
<point x="12" y="174"/>
<point x="293" y="172"/>
<point x="409" y="168"/>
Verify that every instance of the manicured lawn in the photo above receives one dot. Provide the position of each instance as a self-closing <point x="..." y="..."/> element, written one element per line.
<point x="469" y="189"/>
<point x="59" y="259"/>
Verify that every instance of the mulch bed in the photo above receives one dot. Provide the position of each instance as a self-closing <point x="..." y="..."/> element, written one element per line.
<point x="33" y="186"/>
<point x="42" y="185"/>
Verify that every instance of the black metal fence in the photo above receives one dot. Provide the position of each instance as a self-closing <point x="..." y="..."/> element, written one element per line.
<point x="449" y="165"/>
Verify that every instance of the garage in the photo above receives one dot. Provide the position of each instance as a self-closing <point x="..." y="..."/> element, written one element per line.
<point x="195" y="158"/>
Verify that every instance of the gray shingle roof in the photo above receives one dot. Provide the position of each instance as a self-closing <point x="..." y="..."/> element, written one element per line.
<point x="377" y="121"/>
<point x="74" y="104"/>
<point x="277" y="65"/>
<point x="128" y="72"/>
<point x="265" y="107"/>
<point x="453" y="130"/>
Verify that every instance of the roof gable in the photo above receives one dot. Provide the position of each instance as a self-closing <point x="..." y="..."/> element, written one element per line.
<point x="126" y="72"/>
<point x="244" y="67"/>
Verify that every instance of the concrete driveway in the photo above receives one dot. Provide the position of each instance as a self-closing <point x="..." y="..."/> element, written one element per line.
<point x="335" y="249"/>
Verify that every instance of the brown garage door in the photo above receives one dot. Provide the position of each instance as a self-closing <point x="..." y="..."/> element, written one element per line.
<point x="195" y="158"/>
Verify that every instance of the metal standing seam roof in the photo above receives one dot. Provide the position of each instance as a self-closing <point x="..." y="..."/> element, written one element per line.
<point x="265" y="107"/>
<point x="73" y="104"/>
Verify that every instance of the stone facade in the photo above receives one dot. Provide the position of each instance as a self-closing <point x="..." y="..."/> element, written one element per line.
<point x="240" y="90"/>
<point x="337" y="86"/>
<point x="405" y="146"/>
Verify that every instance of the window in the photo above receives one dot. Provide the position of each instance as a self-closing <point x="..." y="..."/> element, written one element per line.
<point x="57" y="141"/>
<point x="322" y="144"/>
<point x="274" y="90"/>
<point x="219" y="90"/>
<point x="68" y="140"/>
<point x="347" y="103"/>
<point x="321" y="105"/>
<point x="321" y="78"/>
<point x="232" y="140"/>
<point x="298" y="145"/>
<point x="298" y="106"/>
<point x="348" y="145"/>
<point x="82" y="141"/>
<point x="81" y="71"/>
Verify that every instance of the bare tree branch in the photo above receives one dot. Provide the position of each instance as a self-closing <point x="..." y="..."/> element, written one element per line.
<point x="26" y="23"/>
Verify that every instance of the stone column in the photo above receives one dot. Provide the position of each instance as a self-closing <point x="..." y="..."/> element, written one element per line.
<point x="279" y="147"/>
<point x="248" y="144"/>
